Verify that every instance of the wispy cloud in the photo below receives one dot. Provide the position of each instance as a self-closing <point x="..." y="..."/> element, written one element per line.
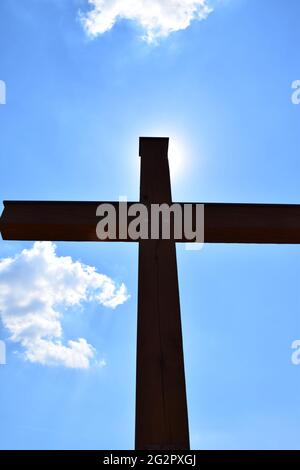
<point x="158" y="18"/>
<point x="36" y="287"/>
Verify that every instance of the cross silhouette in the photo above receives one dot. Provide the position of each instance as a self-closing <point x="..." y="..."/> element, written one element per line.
<point x="161" y="405"/>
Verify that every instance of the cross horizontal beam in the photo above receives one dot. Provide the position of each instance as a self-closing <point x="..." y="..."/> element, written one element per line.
<point x="223" y="223"/>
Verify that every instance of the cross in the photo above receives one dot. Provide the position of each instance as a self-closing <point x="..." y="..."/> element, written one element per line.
<point x="161" y="405"/>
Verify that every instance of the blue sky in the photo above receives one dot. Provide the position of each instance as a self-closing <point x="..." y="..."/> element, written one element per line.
<point x="76" y="106"/>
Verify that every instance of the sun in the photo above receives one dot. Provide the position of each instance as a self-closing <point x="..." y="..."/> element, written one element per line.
<point x="177" y="153"/>
<point x="176" y="158"/>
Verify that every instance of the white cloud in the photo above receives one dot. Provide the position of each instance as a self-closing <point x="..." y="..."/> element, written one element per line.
<point x="158" y="18"/>
<point x="36" y="287"/>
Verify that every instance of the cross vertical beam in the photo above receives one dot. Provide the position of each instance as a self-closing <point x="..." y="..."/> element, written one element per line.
<point x="161" y="405"/>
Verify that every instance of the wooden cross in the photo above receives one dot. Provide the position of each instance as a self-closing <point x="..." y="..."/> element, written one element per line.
<point x="161" y="406"/>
